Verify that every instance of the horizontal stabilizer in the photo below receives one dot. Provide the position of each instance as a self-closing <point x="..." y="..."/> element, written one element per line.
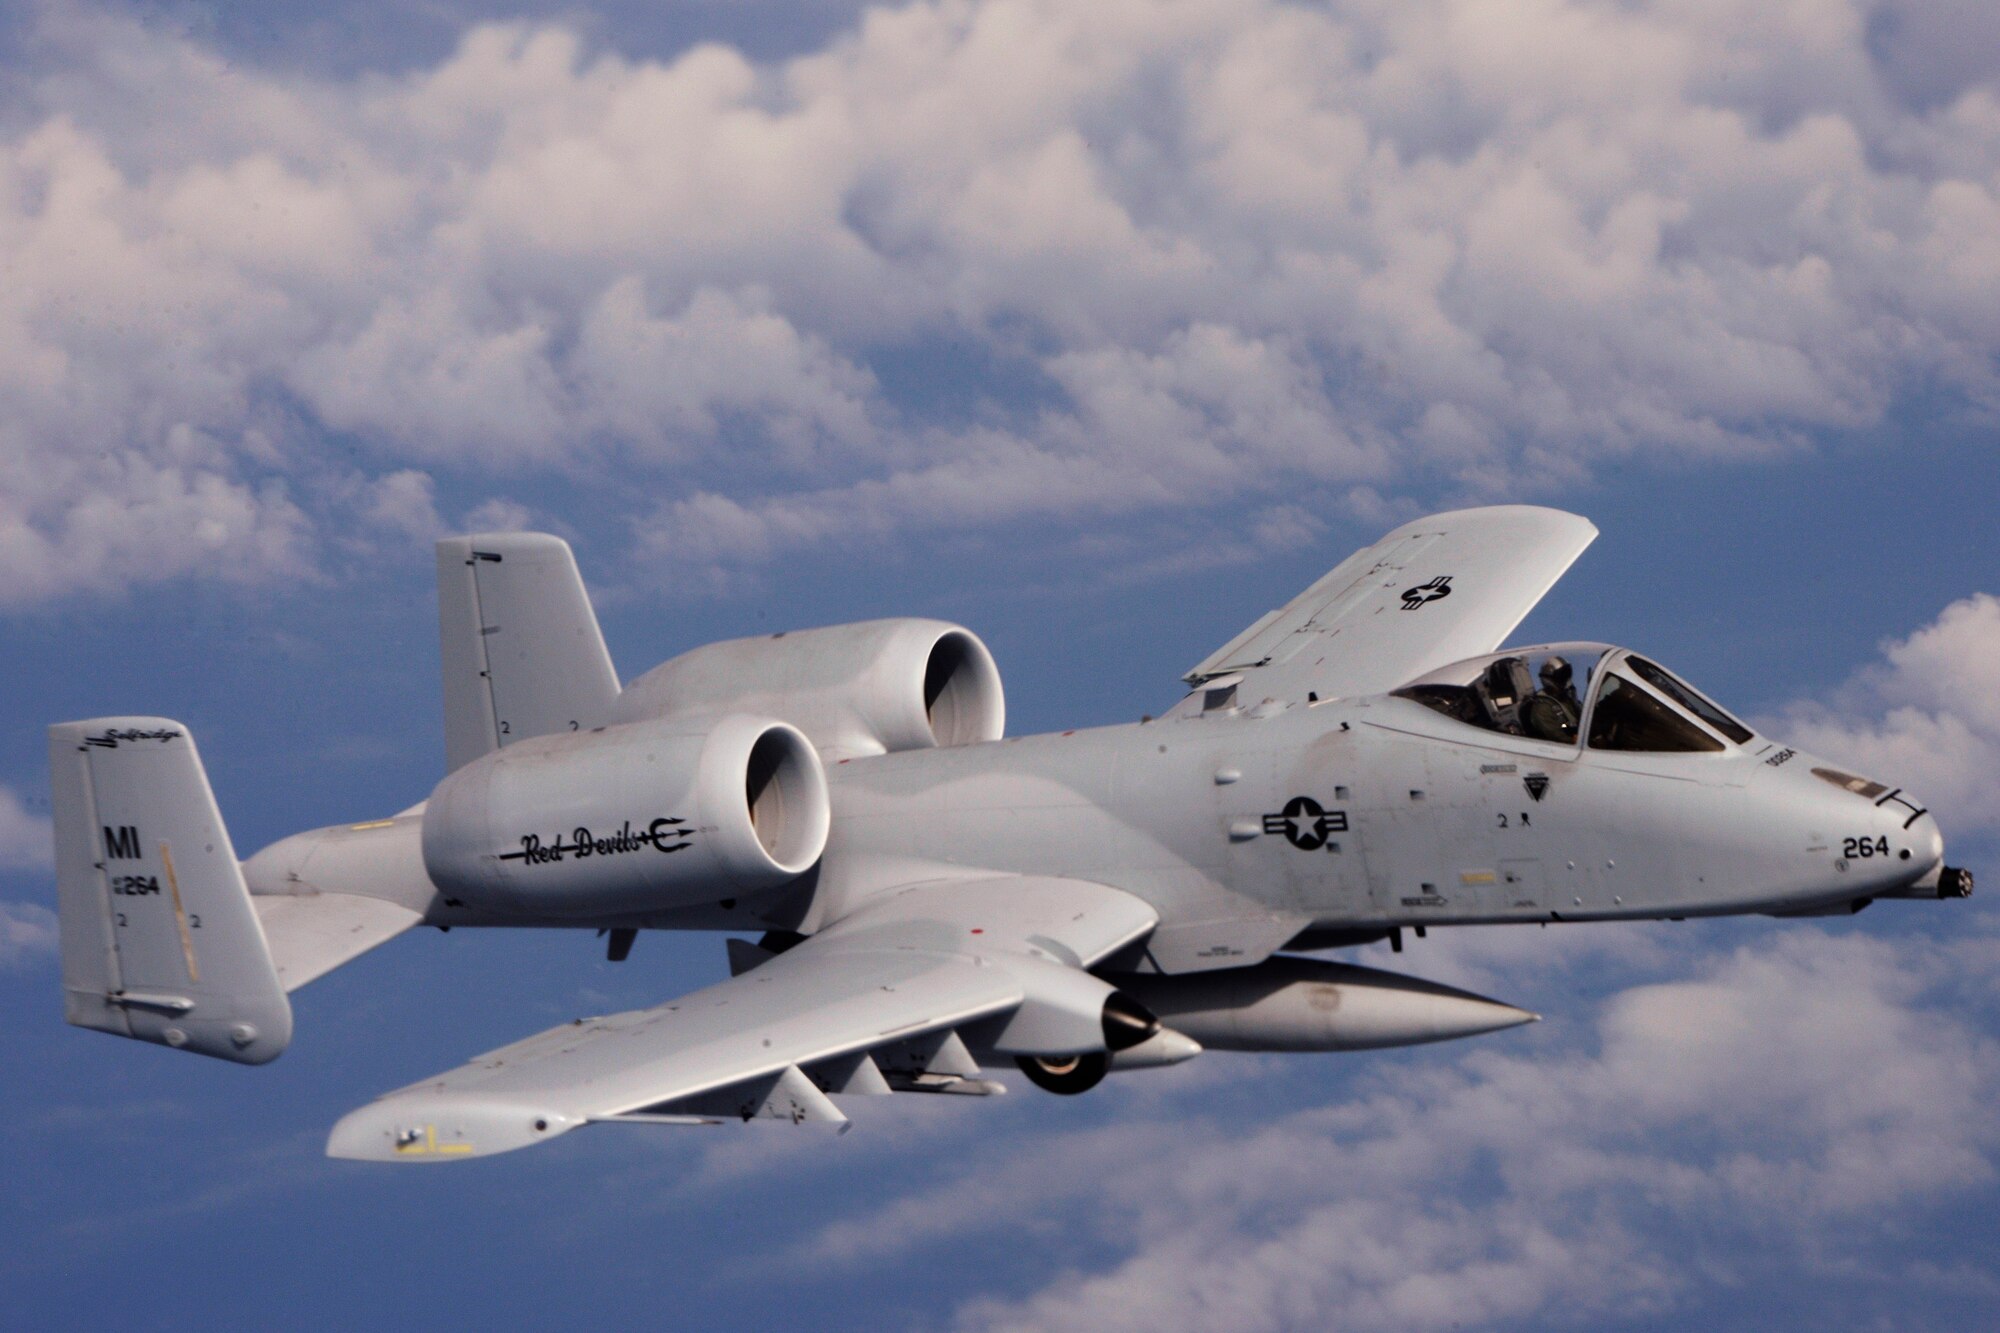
<point x="159" y="939"/>
<point x="310" y="934"/>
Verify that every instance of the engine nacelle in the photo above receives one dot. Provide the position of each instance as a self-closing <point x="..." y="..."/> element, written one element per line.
<point x="873" y="687"/>
<point x="629" y="819"/>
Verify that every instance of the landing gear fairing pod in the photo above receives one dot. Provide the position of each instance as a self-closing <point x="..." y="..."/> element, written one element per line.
<point x="928" y="904"/>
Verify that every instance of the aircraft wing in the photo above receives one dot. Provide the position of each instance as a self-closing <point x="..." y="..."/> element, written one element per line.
<point x="1432" y="592"/>
<point x="874" y="1003"/>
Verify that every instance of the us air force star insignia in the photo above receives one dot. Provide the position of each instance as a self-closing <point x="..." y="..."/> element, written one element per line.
<point x="1305" y="823"/>
<point x="1425" y="593"/>
<point x="1537" y="785"/>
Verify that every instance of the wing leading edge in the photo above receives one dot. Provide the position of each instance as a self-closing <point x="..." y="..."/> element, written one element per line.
<point x="1432" y="592"/>
<point x="875" y="1003"/>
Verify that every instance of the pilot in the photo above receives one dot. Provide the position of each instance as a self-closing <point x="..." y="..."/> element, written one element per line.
<point x="1553" y="712"/>
<point x="1559" y="681"/>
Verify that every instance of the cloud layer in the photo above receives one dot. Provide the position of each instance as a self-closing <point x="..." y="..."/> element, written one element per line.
<point x="970" y="263"/>
<point x="1777" y="1113"/>
<point x="27" y="934"/>
<point x="1927" y="716"/>
<point x="27" y="840"/>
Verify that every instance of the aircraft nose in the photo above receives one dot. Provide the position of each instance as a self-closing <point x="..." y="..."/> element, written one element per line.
<point x="1924" y="842"/>
<point x="1907" y="845"/>
<point x="1882" y="839"/>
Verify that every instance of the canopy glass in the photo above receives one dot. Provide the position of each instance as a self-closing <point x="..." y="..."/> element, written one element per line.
<point x="1546" y="694"/>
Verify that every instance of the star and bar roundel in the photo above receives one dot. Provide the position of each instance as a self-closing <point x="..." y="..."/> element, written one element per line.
<point x="1305" y="823"/>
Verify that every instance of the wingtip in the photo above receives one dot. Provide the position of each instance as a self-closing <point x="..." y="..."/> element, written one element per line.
<point x="434" y="1129"/>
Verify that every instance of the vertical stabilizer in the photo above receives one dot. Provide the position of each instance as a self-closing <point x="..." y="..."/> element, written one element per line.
<point x="159" y="940"/>
<point x="522" y="652"/>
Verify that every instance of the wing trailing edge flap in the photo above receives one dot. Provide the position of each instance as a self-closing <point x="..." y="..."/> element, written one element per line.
<point x="874" y="1003"/>
<point x="1432" y="592"/>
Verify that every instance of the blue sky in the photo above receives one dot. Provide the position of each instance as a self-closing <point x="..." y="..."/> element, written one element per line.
<point x="1099" y="331"/>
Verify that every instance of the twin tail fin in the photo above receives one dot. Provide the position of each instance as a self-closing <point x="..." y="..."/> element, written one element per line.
<point x="159" y="938"/>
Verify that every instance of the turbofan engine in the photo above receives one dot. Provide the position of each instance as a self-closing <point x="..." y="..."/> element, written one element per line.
<point x="640" y="817"/>
<point x="873" y="687"/>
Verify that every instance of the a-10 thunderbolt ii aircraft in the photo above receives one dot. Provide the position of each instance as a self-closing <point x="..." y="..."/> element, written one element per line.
<point x="933" y="900"/>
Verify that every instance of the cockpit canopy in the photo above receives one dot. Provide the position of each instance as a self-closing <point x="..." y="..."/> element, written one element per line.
<point x="1560" y="692"/>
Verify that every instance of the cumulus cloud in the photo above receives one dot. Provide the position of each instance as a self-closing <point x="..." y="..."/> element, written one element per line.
<point x="405" y="502"/>
<point x="498" y="515"/>
<point x="1170" y="255"/>
<point x="1780" y="1111"/>
<point x="1927" y="716"/>
<point x="27" y="840"/>
<point x="27" y="934"/>
<point x="1211" y="416"/>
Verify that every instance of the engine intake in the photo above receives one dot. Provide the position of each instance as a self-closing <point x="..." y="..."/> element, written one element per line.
<point x="629" y="819"/>
<point x="873" y="687"/>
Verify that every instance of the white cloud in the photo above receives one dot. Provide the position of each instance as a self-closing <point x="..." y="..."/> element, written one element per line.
<point x="27" y="934"/>
<point x="1789" y="1109"/>
<point x="1180" y="255"/>
<point x="498" y="515"/>
<point x="405" y="502"/>
<point x="1211" y="416"/>
<point x="655" y="381"/>
<point x="27" y="840"/>
<point x="1927" y="717"/>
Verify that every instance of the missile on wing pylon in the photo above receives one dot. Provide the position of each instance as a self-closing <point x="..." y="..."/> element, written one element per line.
<point x="1306" y="1004"/>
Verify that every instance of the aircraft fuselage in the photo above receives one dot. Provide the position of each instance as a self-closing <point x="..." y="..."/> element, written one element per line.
<point x="1245" y="828"/>
<point x="1376" y="812"/>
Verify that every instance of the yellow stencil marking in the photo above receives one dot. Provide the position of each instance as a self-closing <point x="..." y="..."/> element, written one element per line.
<point x="1477" y="877"/>
<point x="180" y="915"/>
<point x="376" y="823"/>
<point x="429" y="1144"/>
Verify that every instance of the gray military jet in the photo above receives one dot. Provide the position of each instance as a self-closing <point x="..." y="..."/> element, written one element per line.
<point x="933" y="900"/>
